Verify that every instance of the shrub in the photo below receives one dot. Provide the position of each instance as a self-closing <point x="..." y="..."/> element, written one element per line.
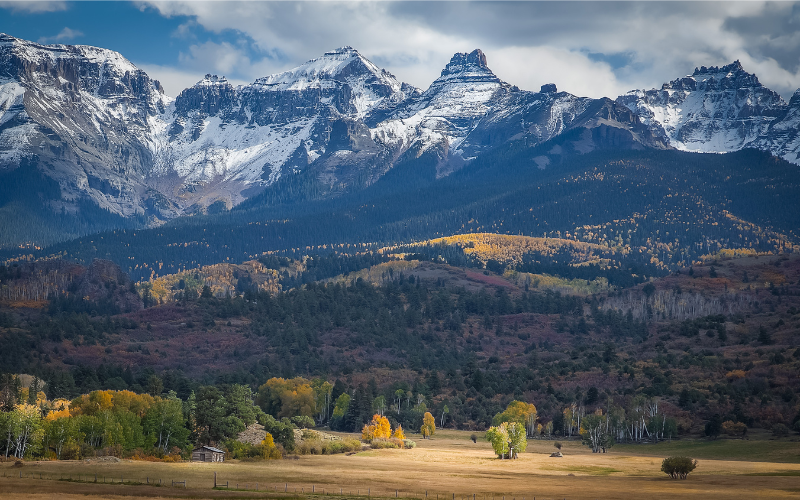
<point x="409" y="443"/>
<point x="732" y="428"/>
<point x="780" y="430"/>
<point x="154" y="455"/>
<point x="558" y="445"/>
<point x="474" y="437"/>
<point x="303" y="422"/>
<point x="379" y="444"/>
<point x="678" y="467"/>
<point x="309" y="447"/>
<point x="318" y="447"/>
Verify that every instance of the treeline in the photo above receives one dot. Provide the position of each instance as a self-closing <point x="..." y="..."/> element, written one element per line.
<point x="29" y="220"/>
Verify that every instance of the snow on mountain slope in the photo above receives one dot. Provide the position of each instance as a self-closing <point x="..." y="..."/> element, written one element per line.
<point x="82" y="115"/>
<point x="783" y="136"/>
<point x="446" y="112"/>
<point x="105" y="131"/>
<point x="369" y="84"/>
<point x="240" y="139"/>
<point x="712" y="110"/>
<point x="536" y="116"/>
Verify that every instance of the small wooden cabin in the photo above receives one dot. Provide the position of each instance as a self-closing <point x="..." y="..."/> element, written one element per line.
<point x="208" y="454"/>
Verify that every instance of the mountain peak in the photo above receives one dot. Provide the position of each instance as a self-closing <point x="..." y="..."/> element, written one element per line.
<point x="734" y="67"/>
<point x="342" y="63"/>
<point x="342" y="50"/>
<point x="462" y="62"/>
<point x="212" y="80"/>
<point x="715" y="78"/>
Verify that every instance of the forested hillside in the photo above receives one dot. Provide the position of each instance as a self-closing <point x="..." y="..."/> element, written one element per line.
<point x="667" y="207"/>
<point x="708" y="343"/>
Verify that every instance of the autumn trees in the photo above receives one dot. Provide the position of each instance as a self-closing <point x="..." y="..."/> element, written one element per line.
<point x="378" y="428"/>
<point x="517" y="411"/>
<point x="117" y="420"/>
<point x="296" y="397"/>
<point x="428" y="425"/>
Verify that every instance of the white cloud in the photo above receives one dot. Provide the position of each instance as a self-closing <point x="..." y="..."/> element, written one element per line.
<point x="531" y="67"/>
<point x="570" y="44"/>
<point x="34" y="6"/>
<point x="65" y="35"/>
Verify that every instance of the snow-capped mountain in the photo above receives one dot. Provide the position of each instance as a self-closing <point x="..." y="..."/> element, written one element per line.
<point x="84" y="117"/>
<point x="712" y="110"/>
<point x="89" y="119"/>
<point x="223" y="142"/>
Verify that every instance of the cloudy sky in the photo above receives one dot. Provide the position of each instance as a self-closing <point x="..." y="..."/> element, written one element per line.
<point x="588" y="48"/>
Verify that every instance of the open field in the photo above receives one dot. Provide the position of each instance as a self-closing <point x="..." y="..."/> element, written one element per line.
<point x="443" y="467"/>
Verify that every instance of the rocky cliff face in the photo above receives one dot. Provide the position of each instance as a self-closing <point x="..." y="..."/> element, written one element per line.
<point x="106" y="132"/>
<point x="226" y="143"/>
<point x="83" y="115"/>
<point x="712" y="110"/>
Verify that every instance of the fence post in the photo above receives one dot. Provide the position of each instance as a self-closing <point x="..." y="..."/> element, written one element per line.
<point x="286" y="488"/>
<point x="215" y="479"/>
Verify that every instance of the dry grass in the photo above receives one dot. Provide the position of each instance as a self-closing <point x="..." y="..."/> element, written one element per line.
<point x="445" y="466"/>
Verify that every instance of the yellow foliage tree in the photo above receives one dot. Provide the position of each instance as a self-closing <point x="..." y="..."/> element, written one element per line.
<point x="287" y="397"/>
<point x="268" y="449"/>
<point x="98" y="401"/>
<point x="398" y="432"/>
<point x="428" y="425"/>
<point x="379" y="428"/>
<point x="518" y="411"/>
<point x="56" y="414"/>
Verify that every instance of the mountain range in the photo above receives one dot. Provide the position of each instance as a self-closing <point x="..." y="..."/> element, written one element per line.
<point x="106" y="146"/>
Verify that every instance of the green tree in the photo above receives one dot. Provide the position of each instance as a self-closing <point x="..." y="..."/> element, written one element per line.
<point x="239" y="399"/>
<point x="33" y="391"/>
<point x="155" y="386"/>
<point x="212" y="421"/>
<point x="508" y="439"/>
<point x="23" y="429"/>
<point x="165" y="425"/>
<point x="498" y="437"/>
<point x="517" y="438"/>
<point x="595" y="434"/>
<point x="62" y="432"/>
<point x="322" y="398"/>
<point x="379" y="405"/>
<point x="678" y="467"/>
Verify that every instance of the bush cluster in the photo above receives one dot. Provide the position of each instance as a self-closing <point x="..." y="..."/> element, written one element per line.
<point x="320" y="447"/>
<point x="383" y="443"/>
<point x="678" y="467"/>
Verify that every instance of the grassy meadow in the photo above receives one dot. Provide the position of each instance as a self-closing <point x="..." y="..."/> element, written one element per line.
<point x="448" y="466"/>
